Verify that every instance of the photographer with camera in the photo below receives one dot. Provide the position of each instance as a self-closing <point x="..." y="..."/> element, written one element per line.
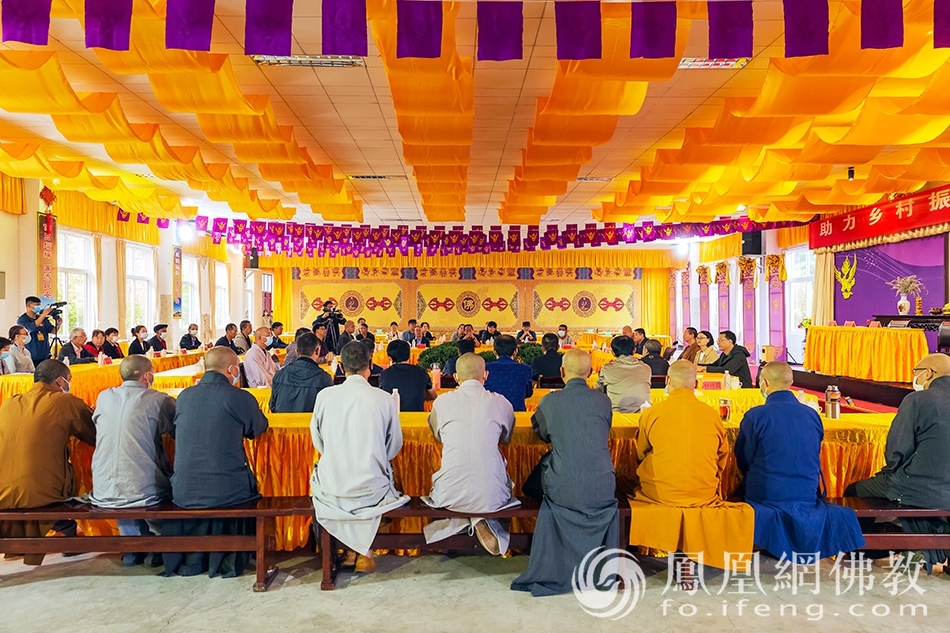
<point x="40" y="323"/>
<point x="332" y="319"/>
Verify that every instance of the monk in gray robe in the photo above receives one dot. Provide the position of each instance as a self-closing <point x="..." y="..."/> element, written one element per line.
<point x="579" y="508"/>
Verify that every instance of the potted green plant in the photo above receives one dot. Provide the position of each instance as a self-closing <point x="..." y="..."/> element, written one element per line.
<point x="905" y="286"/>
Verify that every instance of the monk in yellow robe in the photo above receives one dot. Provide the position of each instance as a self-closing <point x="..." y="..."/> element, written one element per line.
<point x="677" y="506"/>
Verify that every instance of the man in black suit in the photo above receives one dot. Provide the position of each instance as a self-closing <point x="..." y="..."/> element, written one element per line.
<point x="548" y="364"/>
<point x="230" y="331"/>
<point x="74" y="352"/>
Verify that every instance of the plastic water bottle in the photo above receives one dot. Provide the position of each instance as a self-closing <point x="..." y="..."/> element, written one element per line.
<point x="333" y="365"/>
<point x="436" y="375"/>
<point x="726" y="381"/>
<point x="801" y="396"/>
<point x="396" y="398"/>
<point x="66" y="360"/>
<point x="101" y="359"/>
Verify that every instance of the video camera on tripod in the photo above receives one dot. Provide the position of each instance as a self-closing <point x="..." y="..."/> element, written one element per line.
<point x="56" y="311"/>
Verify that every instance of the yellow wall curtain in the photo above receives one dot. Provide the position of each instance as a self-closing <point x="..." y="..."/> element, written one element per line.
<point x="656" y="301"/>
<point x="120" y="282"/>
<point x="12" y="199"/>
<point x="283" y="307"/>
<point x="590" y="258"/>
<point x="791" y="237"/>
<point x="73" y="208"/>
<point x="204" y="246"/>
<point x="823" y="299"/>
<point x="97" y="256"/>
<point x="723" y="248"/>
<point x="211" y="328"/>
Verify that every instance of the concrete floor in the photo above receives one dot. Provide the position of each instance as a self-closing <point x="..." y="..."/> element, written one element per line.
<point x="427" y="594"/>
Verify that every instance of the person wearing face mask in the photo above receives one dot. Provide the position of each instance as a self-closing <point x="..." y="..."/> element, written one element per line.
<point x="130" y="468"/>
<point x="916" y="471"/>
<point x="139" y="344"/>
<point x="259" y="367"/>
<point x="157" y="343"/>
<point x="111" y="346"/>
<point x="778" y="453"/>
<point x="190" y="339"/>
<point x="212" y="420"/>
<point x="40" y="325"/>
<point x="563" y="338"/>
<point x="6" y="360"/>
<point x="35" y="430"/>
<point x="20" y="360"/>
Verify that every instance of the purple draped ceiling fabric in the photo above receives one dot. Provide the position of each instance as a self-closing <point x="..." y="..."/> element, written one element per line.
<point x="188" y="24"/>
<point x="652" y="29"/>
<point x="882" y="24"/>
<point x="108" y="24"/>
<point x="577" y="24"/>
<point x="268" y="27"/>
<point x="730" y="29"/>
<point x="344" y="27"/>
<point x="941" y="23"/>
<point x="806" y="27"/>
<point x="26" y="21"/>
<point x="418" y="29"/>
<point x="500" y="31"/>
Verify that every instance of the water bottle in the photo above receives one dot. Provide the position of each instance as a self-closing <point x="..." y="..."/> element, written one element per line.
<point x="726" y="381"/>
<point x="396" y="398"/>
<point x="66" y="360"/>
<point x="333" y="365"/>
<point x="832" y="403"/>
<point x="801" y="396"/>
<point x="436" y="375"/>
<point x="101" y="359"/>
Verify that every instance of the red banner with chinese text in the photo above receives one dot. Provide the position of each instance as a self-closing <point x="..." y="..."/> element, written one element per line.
<point x="927" y="208"/>
<point x="46" y="260"/>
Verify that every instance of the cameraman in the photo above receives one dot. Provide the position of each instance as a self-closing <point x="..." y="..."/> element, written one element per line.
<point x="332" y="319"/>
<point x="39" y="324"/>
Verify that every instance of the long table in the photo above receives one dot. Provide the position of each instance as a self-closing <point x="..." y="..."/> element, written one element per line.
<point x="878" y="354"/>
<point x="89" y="380"/>
<point x="283" y="457"/>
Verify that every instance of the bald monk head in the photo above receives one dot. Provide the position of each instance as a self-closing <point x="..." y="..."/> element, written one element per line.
<point x="930" y="368"/>
<point x="470" y="367"/>
<point x="682" y="375"/>
<point x="261" y="335"/>
<point x="627" y="331"/>
<point x="775" y="376"/>
<point x="137" y="368"/>
<point x="575" y="364"/>
<point x="223" y="360"/>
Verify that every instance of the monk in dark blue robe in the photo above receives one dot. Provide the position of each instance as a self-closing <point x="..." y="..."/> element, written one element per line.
<point x="778" y="452"/>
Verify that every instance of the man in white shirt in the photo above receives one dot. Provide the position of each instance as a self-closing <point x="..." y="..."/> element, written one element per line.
<point x="130" y="468"/>
<point x="259" y="367"/>
<point x="355" y="429"/>
<point x="563" y="338"/>
<point x="471" y="422"/>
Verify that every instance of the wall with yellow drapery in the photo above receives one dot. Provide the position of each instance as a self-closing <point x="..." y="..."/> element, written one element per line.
<point x="76" y="210"/>
<point x="723" y="248"/>
<point x="12" y="200"/>
<point x="792" y="237"/>
<point x="204" y="246"/>
<point x="587" y="290"/>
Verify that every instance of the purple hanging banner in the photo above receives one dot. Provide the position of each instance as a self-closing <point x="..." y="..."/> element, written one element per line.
<point x="775" y="276"/>
<point x="684" y="282"/>
<point x="882" y="23"/>
<point x="500" y="31"/>
<point x="108" y="24"/>
<point x="578" y="29"/>
<point x="806" y="27"/>
<point x="188" y="24"/>
<point x="702" y="274"/>
<point x="730" y="28"/>
<point x="26" y="21"/>
<point x="941" y="23"/>
<point x="344" y="27"/>
<point x="747" y="273"/>
<point x="722" y="280"/>
<point x="674" y="330"/>
<point x="652" y="30"/>
<point x="268" y="27"/>
<point x="418" y="28"/>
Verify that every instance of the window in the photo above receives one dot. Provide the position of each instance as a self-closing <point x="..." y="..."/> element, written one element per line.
<point x="221" y="299"/>
<point x="190" y="302"/>
<point x="139" y="292"/>
<point x="249" y="296"/>
<point x="800" y="265"/>
<point x="267" y="296"/>
<point x="76" y="280"/>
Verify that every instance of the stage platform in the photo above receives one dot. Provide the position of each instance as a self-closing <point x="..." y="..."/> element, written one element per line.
<point x="888" y="394"/>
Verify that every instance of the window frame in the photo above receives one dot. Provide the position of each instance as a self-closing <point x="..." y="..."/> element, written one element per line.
<point x="130" y="304"/>
<point x="90" y="318"/>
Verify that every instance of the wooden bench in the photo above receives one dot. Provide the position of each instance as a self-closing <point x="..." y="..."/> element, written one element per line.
<point x="868" y="508"/>
<point x="263" y="542"/>
<point x="460" y="542"/>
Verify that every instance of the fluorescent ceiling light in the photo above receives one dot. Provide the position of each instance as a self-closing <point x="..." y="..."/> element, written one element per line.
<point x="310" y="61"/>
<point x="695" y="63"/>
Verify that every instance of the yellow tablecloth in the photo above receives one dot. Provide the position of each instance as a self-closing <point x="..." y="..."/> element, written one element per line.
<point x="879" y="354"/>
<point x="283" y="458"/>
<point x="587" y="339"/>
<point x="261" y="394"/>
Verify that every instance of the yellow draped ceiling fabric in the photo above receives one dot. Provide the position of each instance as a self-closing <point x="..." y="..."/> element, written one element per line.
<point x="581" y="113"/>
<point x="785" y="153"/>
<point x="434" y="100"/>
<point x="590" y="258"/>
<point x="726" y="247"/>
<point x="75" y="209"/>
<point x="204" y="246"/>
<point x="12" y="199"/>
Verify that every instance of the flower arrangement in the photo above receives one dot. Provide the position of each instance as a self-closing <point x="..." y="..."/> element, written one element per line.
<point x="805" y="324"/>
<point x="909" y="285"/>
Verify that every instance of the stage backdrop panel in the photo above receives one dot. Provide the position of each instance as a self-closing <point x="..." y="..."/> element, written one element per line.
<point x="586" y="304"/>
<point x="378" y="302"/>
<point x="447" y="305"/>
<point x="861" y="289"/>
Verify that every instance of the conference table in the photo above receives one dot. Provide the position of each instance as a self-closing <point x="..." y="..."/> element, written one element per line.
<point x="282" y="460"/>
<point x="864" y="353"/>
